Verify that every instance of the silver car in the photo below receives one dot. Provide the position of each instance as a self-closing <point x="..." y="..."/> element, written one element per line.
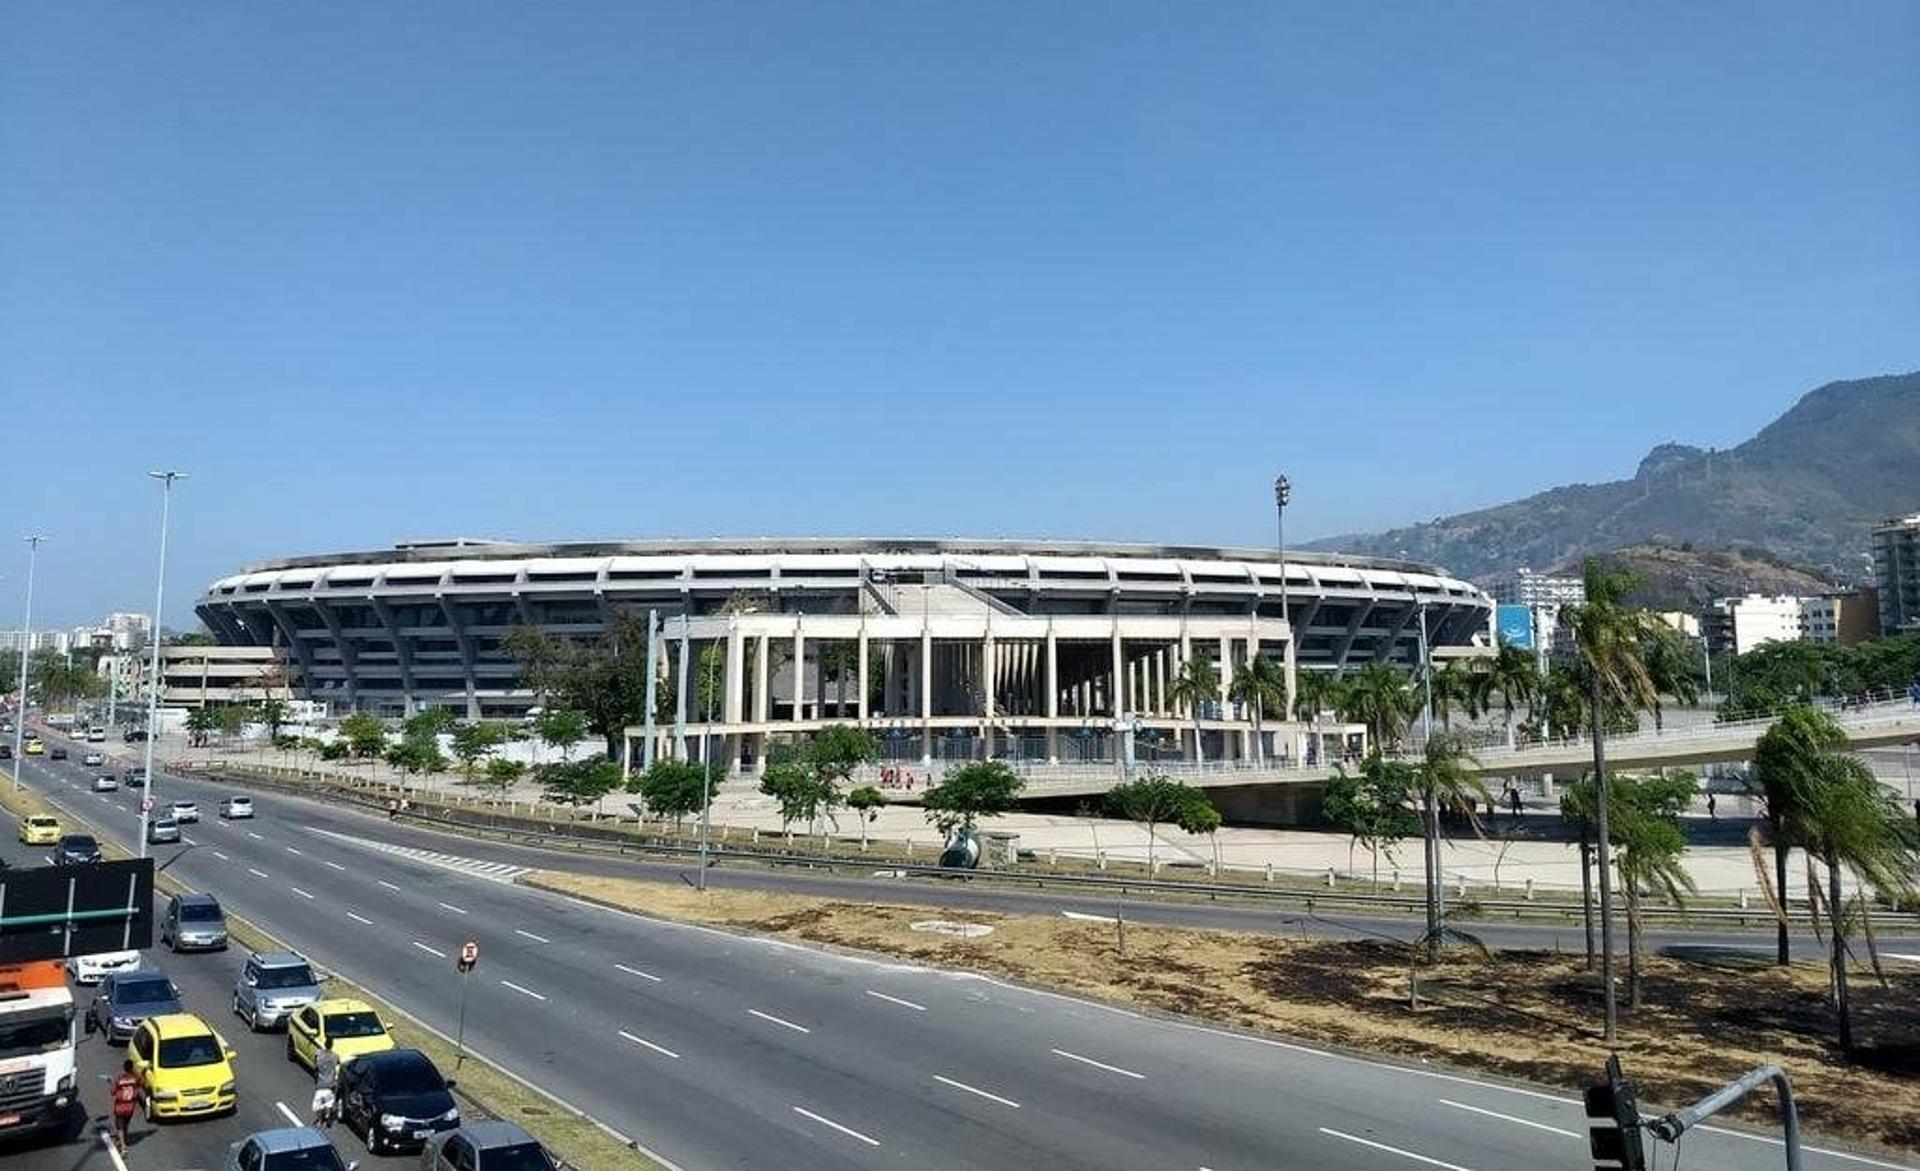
<point x="272" y="987"/>
<point x="293" y="1148"/>
<point x="194" y="922"/>
<point x="127" y="998"/>
<point x="485" y="1146"/>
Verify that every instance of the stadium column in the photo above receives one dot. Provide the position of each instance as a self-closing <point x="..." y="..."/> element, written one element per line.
<point x="926" y="693"/>
<point x="762" y="702"/>
<point x="1053" y="695"/>
<point x="860" y="701"/>
<point x="1117" y="689"/>
<point x="799" y="672"/>
<point x="736" y="691"/>
<point x="680" y="696"/>
<point x="986" y="679"/>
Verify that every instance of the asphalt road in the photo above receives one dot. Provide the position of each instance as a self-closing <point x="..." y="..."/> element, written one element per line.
<point x="269" y="1085"/>
<point x="715" y="1050"/>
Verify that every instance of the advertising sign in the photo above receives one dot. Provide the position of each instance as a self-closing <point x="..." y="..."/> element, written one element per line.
<point x="1515" y="625"/>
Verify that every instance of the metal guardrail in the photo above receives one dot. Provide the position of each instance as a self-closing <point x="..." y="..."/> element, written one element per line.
<point x="621" y="843"/>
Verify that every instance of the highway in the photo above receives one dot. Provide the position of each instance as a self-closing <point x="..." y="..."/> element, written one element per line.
<point x="715" y="1050"/>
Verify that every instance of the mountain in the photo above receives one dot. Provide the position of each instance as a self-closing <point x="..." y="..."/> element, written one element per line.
<point x="1684" y="578"/>
<point x="1807" y="488"/>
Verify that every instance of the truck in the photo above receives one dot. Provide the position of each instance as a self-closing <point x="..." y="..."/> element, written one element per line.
<point x="37" y="1036"/>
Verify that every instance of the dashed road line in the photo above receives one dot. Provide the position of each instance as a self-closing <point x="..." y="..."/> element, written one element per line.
<point x="522" y="991"/>
<point x="359" y="918"/>
<point x="532" y="936"/>
<point x="430" y="950"/>
<point x="454" y="909"/>
<point x="771" y="1019"/>
<point x="256" y="837"/>
<point x="828" y="1122"/>
<point x="256" y="873"/>
<point x="944" y="1080"/>
<point x="1415" y="1156"/>
<point x="293" y="849"/>
<point x="1508" y="1118"/>
<point x="1099" y="1065"/>
<point x="644" y="1043"/>
<point x="896" y="1000"/>
<point x="638" y="972"/>
<point x="221" y="856"/>
<point x="292" y="1118"/>
<point x="385" y="883"/>
<point x="336" y="865"/>
<point x="303" y="894"/>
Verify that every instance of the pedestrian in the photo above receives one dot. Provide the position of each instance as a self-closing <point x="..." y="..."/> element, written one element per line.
<point x="1712" y="811"/>
<point x="1513" y="800"/>
<point x="393" y="808"/>
<point x="326" y="1071"/>
<point x="125" y="1092"/>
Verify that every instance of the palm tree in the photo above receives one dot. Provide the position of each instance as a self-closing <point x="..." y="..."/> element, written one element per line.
<point x="1646" y="827"/>
<point x="1787" y="763"/>
<point x="1446" y="778"/>
<point x="273" y="713"/>
<point x="1453" y="683"/>
<point x="1607" y="636"/>
<point x="1316" y="692"/>
<point x="1669" y="660"/>
<point x="1515" y="674"/>
<point x="1195" y="685"/>
<point x="1379" y="697"/>
<point x="1258" y="682"/>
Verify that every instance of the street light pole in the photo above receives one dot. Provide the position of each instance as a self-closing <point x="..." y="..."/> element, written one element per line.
<point x="166" y="479"/>
<point x="26" y="641"/>
<point x="1282" y="494"/>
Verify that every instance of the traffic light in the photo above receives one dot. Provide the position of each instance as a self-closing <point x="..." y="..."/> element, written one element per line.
<point x="1613" y="1122"/>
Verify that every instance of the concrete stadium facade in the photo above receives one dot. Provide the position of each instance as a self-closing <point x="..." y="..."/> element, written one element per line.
<point x="1034" y="650"/>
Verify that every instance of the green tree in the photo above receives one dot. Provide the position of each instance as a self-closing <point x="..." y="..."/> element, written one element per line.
<point x="605" y="679"/>
<point x="365" y="734"/>
<point x="1789" y="762"/>
<point x="1151" y="801"/>
<point x="1673" y="667"/>
<point x="1444" y="779"/>
<point x="416" y="754"/>
<point x="838" y="749"/>
<point x="473" y="741"/>
<point x="1198" y="815"/>
<point x="1195" y="685"/>
<point x="503" y="773"/>
<point x="428" y="723"/>
<point x="1454" y="685"/>
<point x="1379" y="697"/>
<point x="981" y="788"/>
<point x="1515" y="674"/>
<point x="200" y="721"/>
<point x="273" y="713"/>
<point x="839" y="662"/>
<point x="675" y="788"/>
<point x="866" y="803"/>
<point x="1259" y="683"/>
<point x="798" y="789"/>
<point x="560" y="729"/>
<point x="1373" y="806"/>
<point x="1646" y="828"/>
<point x="231" y="719"/>
<point x="579" y="782"/>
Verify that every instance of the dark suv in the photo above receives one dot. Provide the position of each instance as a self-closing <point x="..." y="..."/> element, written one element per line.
<point x="395" y="1100"/>
<point x="75" y="850"/>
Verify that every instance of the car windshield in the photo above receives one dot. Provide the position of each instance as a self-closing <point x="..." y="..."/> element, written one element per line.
<point x="185" y="1052"/>
<point x="34" y="1032"/>
<point x="353" y="1024"/>
<point x="183" y="805"/>
<point x="411" y="1077"/>
<point x="525" y="1157"/>
<point x="78" y="845"/>
<point x="41" y="822"/>
<point x="287" y="976"/>
<point x="142" y="992"/>
<point x="238" y="802"/>
<point x="199" y="913"/>
<point x="310" y="1159"/>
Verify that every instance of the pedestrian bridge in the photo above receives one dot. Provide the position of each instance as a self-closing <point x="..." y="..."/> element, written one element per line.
<point x="1875" y="725"/>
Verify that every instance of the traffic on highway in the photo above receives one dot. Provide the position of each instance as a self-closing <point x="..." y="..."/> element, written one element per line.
<point x="705" y="1048"/>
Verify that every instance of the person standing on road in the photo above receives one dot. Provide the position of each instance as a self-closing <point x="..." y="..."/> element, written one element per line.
<point x="125" y="1092"/>
<point x="326" y="1072"/>
<point x="1713" y="813"/>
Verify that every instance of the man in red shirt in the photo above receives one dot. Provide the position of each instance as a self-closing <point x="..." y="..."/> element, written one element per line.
<point x="125" y="1090"/>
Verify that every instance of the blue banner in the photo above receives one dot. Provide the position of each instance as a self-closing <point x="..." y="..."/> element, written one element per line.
<point x="1515" y="625"/>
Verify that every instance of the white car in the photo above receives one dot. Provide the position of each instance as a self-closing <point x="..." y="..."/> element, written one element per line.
<point x="94" y="759"/>
<point x="184" y="811"/>
<point x="94" y="968"/>
<point x="234" y="808"/>
<point x="105" y="783"/>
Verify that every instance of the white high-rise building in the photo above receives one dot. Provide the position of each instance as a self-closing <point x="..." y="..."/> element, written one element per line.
<point x="1741" y="624"/>
<point x="130" y="631"/>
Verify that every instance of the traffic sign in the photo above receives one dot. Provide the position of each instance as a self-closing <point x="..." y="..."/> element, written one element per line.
<point x="469" y="956"/>
<point x="146" y="804"/>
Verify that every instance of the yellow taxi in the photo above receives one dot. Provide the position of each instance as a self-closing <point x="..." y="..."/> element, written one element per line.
<point x="348" y="1027"/>
<point x="185" y="1068"/>
<point x="35" y="747"/>
<point x="40" y="830"/>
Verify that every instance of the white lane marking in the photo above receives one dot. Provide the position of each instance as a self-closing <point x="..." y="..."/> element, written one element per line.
<point x="256" y="873"/>
<point x="113" y="1150"/>
<point x="385" y="883"/>
<point x="430" y="950"/>
<point x="638" y="972"/>
<point x="532" y="936"/>
<point x="290" y="1116"/>
<point x="298" y="891"/>
<point x="1099" y="1065"/>
<point x="522" y="991"/>
<point x="359" y="919"/>
<point x="336" y="866"/>
<point x="188" y="840"/>
<point x="769" y="1017"/>
<point x="256" y="837"/>
<point x="1828" y="1152"/>
<point x="292" y="850"/>
<point x="846" y="1130"/>
<point x="642" y="1041"/>
<point x="221" y="856"/>
<point x="896" y="1000"/>
<point x="1508" y="1118"/>
<point x="454" y="909"/>
<point x="1418" y="1158"/>
<point x="976" y="1090"/>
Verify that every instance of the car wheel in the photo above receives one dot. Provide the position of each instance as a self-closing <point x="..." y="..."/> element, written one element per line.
<point x="374" y="1145"/>
<point x="236" y="1007"/>
<point x="253" y="1022"/>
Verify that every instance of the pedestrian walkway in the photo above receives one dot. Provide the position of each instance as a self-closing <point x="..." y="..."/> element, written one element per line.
<point x="492" y="871"/>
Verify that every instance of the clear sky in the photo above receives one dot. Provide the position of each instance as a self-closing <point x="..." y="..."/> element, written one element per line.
<point x="376" y="271"/>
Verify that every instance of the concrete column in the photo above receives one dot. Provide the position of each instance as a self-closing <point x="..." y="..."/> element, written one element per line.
<point x="762" y="701"/>
<point x="799" y="672"/>
<point x="736" y="680"/>
<point x="1052" y="709"/>
<point x="861" y="702"/>
<point x="987" y="676"/>
<point x="1117" y="693"/>
<point x="1293" y="672"/>
<point x="680" y="700"/>
<point x="1160" y="703"/>
<point x="926" y="693"/>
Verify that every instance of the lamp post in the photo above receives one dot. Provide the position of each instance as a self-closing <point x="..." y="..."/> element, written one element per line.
<point x="26" y="641"/>
<point x="1282" y="494"/>
<point x="166" y="479"/>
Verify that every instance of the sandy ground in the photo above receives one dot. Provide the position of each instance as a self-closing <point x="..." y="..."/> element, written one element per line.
<point x="1523" y="1014"/>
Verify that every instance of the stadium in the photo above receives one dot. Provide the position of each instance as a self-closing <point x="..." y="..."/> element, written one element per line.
<point x="946" y="649"/>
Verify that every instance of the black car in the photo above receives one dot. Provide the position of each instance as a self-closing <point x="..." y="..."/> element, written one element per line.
<point x="136" y="778"/>
<point x="395" y="1100"/>
<point x="133" y="735"/>
<point x="75" y="850"/>
<point x="56" y="754"/>
<point x="6" y="752"/>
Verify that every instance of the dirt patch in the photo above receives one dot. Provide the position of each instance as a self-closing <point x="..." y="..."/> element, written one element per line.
<point x="1530" y="1015"/>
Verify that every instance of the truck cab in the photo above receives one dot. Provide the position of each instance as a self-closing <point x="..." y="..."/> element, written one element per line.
<point x="36" y="1047"/>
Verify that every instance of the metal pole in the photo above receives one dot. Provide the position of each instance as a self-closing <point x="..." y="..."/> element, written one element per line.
<point x="1706" y="649"/>
<point x="460" y="1032"/>
<point x="166" y="479"/>
<point x="1604" y="856"/>
<point x="1282" y="493"/>
<point x="1669" y="1127"/>
<point x="706" y="771"/>
<point x="26" y="641"/>
<point x="1437" y="891"/>
<point x="653" y="639"/>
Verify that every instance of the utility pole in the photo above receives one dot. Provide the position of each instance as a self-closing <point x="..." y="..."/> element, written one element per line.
<point x="26" y="641"/>
<point x="1282" y="494"/>
<point x="1604" y="855"/>
<point x="166" y="479"/>
<point x="653" y="639"/>
<point x="1436" y="889"/>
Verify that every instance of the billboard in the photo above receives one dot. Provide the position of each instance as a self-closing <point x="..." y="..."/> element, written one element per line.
<point x="1515" y="625"/>
<point x="53" y="912"/>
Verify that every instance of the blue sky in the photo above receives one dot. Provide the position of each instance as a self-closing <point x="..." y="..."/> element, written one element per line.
<point x="1098" y="269"/>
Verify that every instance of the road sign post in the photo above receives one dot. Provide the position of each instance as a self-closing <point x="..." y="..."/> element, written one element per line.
<point x="469" y="956"/>
<point x="1613" y="1121"/>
